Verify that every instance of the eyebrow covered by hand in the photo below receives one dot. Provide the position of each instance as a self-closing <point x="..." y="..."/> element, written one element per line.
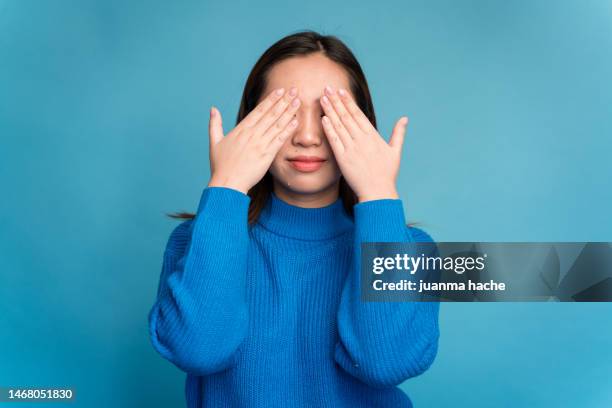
<point x="241" y="158"/>
<point x="369" y="164"/>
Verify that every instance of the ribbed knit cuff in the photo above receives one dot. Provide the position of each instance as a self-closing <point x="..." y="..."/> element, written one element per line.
<point x="380" y="221"/>
<point x="224" y="203"/>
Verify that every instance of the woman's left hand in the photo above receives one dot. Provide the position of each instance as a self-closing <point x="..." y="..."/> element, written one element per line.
<point x="368" y="163"/>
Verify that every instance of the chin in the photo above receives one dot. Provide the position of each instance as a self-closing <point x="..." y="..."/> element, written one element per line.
<point x="308" y="185"/>
<point x="305" y="187"/>
<point x="304" y="183"/>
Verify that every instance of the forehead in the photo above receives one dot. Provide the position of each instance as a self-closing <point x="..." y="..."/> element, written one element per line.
<point x="309" y="73"/>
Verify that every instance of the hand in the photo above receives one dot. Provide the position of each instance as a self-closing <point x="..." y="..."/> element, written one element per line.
<point x="368" y="163"/>
<point x="242" y="157"/>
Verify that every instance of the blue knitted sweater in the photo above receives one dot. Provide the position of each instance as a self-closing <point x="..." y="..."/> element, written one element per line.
<point x="270" y="315"/>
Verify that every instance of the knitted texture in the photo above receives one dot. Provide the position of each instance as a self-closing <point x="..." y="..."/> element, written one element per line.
<point x="271" y="316"/>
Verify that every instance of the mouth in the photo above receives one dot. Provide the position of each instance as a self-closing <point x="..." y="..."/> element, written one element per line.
<point x="307" y="164"/>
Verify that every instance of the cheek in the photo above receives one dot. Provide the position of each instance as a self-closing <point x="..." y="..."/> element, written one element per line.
<point x="276" y="168"/>
<point x="280" y="155"/>
<point x="332" y="160"/>
<point x="335" y="170"/>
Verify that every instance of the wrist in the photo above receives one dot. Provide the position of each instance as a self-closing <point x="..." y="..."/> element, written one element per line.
<point x="220" y="181"/>
<point x="379" y="193"/>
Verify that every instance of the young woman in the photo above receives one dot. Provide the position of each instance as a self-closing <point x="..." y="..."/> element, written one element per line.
<point x="259" y="295"/>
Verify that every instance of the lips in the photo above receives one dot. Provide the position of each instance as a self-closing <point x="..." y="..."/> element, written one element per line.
<point x="307" y="159"/>
<point x="307" y="164"/>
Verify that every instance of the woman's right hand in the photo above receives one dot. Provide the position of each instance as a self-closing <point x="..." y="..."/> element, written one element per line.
<point x="242" y="157"/>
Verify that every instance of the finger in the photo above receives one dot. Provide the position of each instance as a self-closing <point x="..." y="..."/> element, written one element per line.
<point x="332" y="137"/>
<point x="274" y="113"/>
<point x="279" y="139"/>
<point x="215" y="127"/>
<point x="280" y="124"/>
<point x="399" y="131"/>
<point x="362" y="120"/>
<point x="336" y="123"/>
<point x="345" y="116"/>
<point x="260" y="110"/>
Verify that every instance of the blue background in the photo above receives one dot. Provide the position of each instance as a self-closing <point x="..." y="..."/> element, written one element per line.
<point x="103" y="125"/>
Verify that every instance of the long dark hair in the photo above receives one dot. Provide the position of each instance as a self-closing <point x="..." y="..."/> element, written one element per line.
<point x="301" y="43"/>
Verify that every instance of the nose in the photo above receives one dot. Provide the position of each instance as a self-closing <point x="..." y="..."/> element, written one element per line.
<point x="310" y="130"/>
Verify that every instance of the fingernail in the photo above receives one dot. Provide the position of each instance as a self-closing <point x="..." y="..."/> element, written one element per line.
<point x="212" y="111"/>
<point x="325" y="100"/>
<point x="404" y="121"/>
<point x="296" y="102"/>
<point x="329" y="89"/>
<point x="341" y="92"/>
<point x="293" y="91"/>
<point x="280" y="91"/>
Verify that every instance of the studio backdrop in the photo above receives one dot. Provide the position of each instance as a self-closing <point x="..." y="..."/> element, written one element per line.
<point x="103" y="130"/>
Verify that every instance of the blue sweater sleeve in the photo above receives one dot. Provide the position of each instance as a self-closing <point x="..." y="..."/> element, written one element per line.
<point x="200" y="316"/>
<point x="384" y="343"/>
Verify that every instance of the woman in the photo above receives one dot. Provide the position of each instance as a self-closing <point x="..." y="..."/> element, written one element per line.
<point x="259" y="297"/>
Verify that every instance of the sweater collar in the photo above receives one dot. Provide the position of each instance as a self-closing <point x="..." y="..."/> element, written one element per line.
<point x="311" y="224"/>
